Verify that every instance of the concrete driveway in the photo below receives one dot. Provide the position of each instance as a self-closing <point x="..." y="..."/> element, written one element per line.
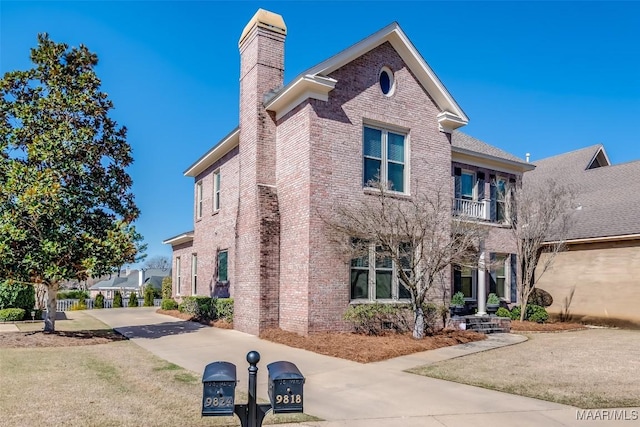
<point x="342" y="392"/>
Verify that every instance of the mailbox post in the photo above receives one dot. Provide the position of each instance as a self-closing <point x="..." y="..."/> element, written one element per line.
<point x="219" y="383"/>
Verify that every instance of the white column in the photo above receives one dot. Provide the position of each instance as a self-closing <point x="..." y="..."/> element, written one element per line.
<point x="481" y="291"/>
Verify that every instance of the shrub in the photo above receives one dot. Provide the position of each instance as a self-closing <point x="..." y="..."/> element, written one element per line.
<point x="99" y="301"/>
<point x="377" y="318"/>
<point x="133" y="299"/>
<point x="11" y="314"/>
<point x="81" y="304"/>
<point x="117" y="300"/>
<point x="224" y="309"/>
<point x="17" y="295"/>
<point x="202" y="308"/>
<point x="457" y="299"/>
<point x="493" y="299"/>
<point x="169" y="304"/>
<point x="149" y="295"/>
<point x="535" y="313"/>
<point x="72" y="294"/>
<point x="503" y="312"/>
<point x="166" y="288"/>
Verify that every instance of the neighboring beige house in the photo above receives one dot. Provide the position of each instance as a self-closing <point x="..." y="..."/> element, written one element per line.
<point x="303" y="148"/>
<point x="602" y="263"/>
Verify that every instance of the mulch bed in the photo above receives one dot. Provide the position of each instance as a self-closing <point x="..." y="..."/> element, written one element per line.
<point x="58" y="338"/>
<point x="366" y="348"/>
<point x="220" y="323"/>
<point x="518" y="326"/>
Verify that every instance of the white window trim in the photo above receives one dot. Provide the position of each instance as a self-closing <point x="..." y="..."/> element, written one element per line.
<point x="474" y="284"/>
<point x="507" y="276"/>
<point x="392" y="81"/>
<point x="384" y="160"/>
<point x="199" y="201"/>
<point x="216" y="190"/>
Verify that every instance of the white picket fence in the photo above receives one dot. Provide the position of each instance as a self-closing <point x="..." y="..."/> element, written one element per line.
<point x="66" y="304"/>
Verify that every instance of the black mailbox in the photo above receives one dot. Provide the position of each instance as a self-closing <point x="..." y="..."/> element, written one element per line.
<point x="285" y="387"/>
<point x="219" y="389"/>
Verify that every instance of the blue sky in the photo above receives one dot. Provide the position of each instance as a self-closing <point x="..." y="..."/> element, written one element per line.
<point x="540" y="77"/>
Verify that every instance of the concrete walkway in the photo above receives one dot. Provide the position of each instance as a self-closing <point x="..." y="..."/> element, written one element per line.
<point x="342" y="392"/>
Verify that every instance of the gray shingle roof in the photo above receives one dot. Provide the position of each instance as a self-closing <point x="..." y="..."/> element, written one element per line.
<point x="467" y="142"/>
<point x="608" y="196"/>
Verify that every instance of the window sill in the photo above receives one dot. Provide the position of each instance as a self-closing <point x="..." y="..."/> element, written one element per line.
<point x="215" y="212"/>
<point x="379" y="301"/>
<point x="389" y="193"/>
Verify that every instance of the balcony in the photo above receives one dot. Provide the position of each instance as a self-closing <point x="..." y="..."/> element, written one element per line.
<point x="472" y="209"/>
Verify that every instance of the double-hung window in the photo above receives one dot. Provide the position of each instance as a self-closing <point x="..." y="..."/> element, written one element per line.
<point x="178" y="277"/>
<point x="467" y="185"/>
<point x="499" y="282"/>
<point x="464" y="281"/>
<point x="375" y="276"/>
<point x="199" y="200"/>
<point x="385" y="155"/>
<point x="501" y="200"/>
<point x="194" y="274"/>
<point x="216" y="191"/>
<point x="223" y="275"/>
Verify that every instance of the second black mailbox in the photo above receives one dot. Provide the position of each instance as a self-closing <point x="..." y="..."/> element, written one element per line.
<point x="219" y="389"/>
<point x="285" y="387"/>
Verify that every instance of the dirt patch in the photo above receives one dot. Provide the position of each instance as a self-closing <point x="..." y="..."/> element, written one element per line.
<point x="58" y="338"/>
<point x="518" y="326"/>
<point x="365" y="348"/>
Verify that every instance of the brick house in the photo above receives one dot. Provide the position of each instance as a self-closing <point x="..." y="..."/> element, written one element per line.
<point x="301" y="149"/>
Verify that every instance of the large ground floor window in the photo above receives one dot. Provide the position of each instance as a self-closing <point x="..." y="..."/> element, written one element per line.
<point x="374" y="276"/>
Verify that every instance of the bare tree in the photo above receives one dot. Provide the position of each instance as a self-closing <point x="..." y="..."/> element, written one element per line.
<point x="160" y="262"/>
<point x="418" y="234"/>
<point x="541" y="214"/>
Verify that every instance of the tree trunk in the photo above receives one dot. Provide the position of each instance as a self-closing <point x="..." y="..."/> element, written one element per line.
<point x="418" y="327"/>
<point x="523" y="310"/>
<point x="50" y="318"/>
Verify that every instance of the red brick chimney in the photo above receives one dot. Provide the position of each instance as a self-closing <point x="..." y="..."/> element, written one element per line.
<point x="256" y="292"/>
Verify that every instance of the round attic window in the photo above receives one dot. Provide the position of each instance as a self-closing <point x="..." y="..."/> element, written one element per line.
<point x="386" y="81"/>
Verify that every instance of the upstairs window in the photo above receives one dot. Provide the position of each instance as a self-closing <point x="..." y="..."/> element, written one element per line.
<point x="216" y="191"/>
<point x="384" y="158"/>
<point x="501" y="200"/>
<point x="467" y="185"/>
<point x="199" y="200"/>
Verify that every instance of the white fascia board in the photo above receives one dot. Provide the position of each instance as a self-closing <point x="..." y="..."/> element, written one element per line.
<point x="179" y="239"/>
<point x="604" y="239"/>
<point x="469" y="157"/>
<point x="448" y="121"/>
<point x="227" y="144"/>
<point x="305" y="87"/>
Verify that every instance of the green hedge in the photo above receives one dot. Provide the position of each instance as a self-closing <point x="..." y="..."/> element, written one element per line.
<point x="207" y="309"/>
<point x="535" y="313"/>
<point x="117" y="299"/>
<point x="224" y="309"/>
<point x="377" y="318"/>
<point x="11" y="314"/>
<point x="133" y="299"/>
<point x="168" y="304"/>
<point x="73" y="294"/>
<point x="17" y="295"/>
<point x="149" y="295"/>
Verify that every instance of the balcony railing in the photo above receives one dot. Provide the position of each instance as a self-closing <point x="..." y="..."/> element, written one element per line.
<point x="471" y="208"/>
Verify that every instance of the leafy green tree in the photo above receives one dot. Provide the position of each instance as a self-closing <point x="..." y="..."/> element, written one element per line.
<point x="166" y="288"/>
<point x="66" y="208"/>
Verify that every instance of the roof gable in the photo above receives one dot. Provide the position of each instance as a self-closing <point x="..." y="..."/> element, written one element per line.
<point x="315" y="83"/>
